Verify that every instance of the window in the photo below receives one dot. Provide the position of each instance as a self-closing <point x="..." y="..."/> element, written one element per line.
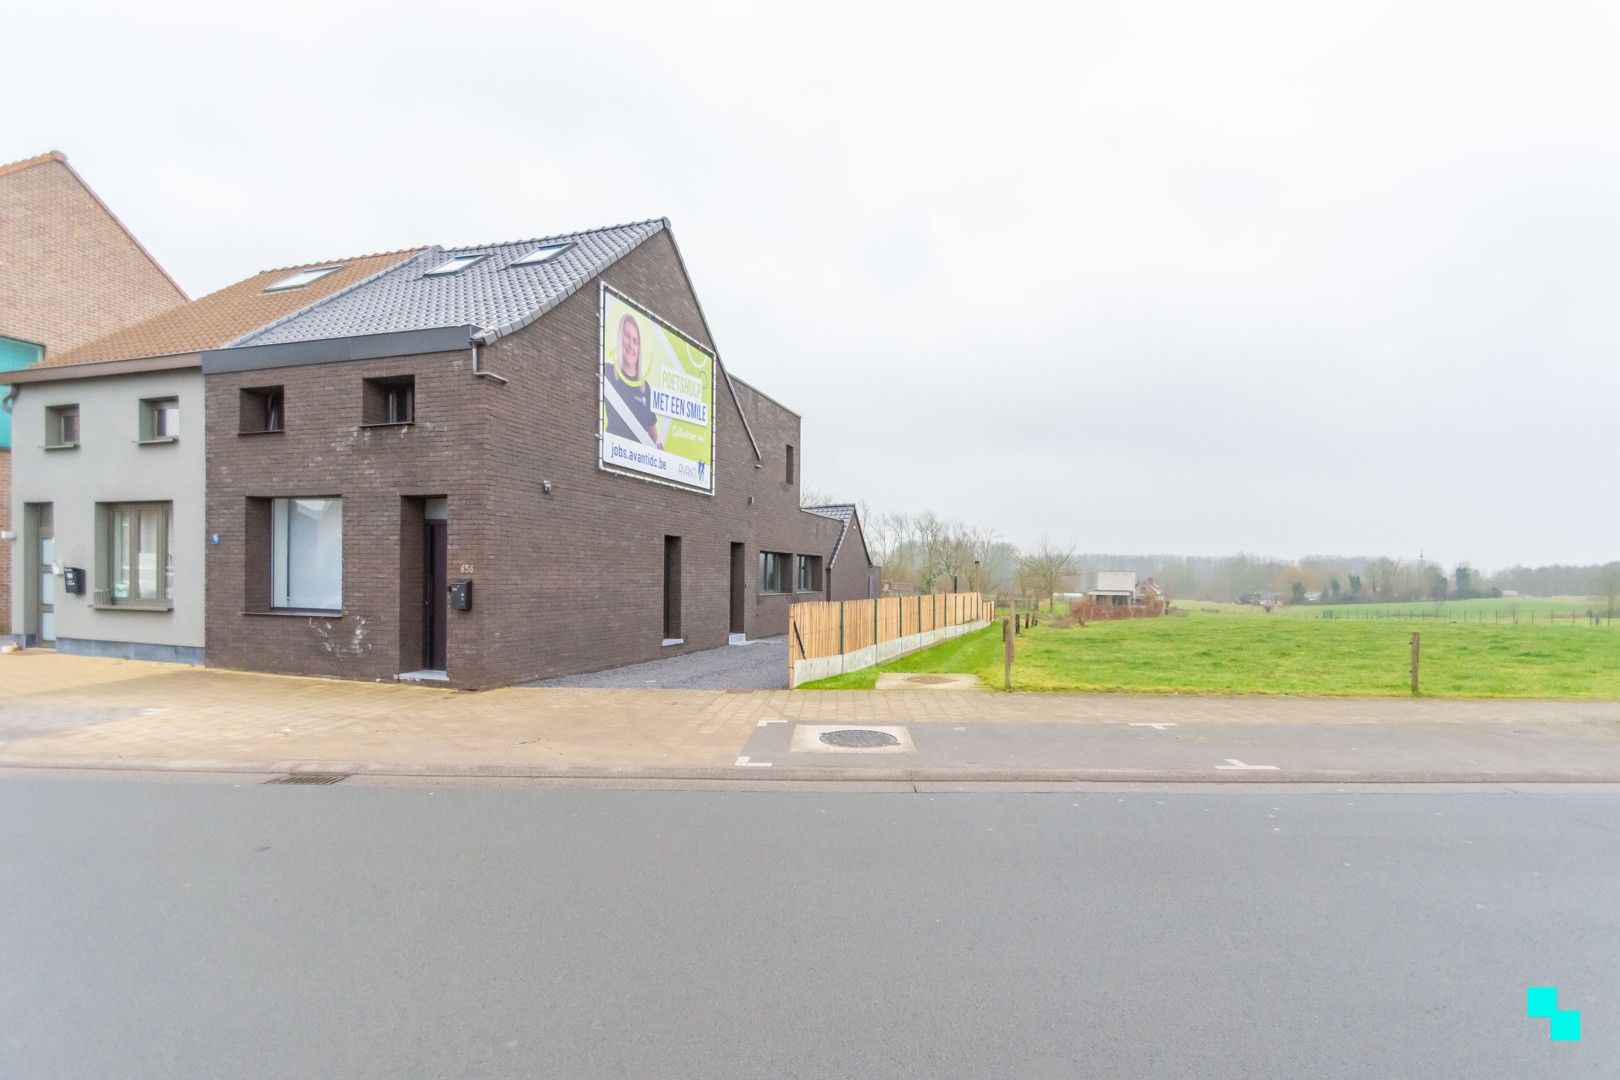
<point x="790" y="463"/>
<point x="138" y="568"/>
<point x="456" y="265"/>
<point x="160" y="420"/>
<point x="809" y="573"/>
<point x="542" y="254"/>
<point x="389" y="401"/>
<point x="62" y="426"/>
<point x="306" y="554"/>
<point x="263" y="409"/>
<point x="672" y="590"/>
<point x="302" y="278"/>
<point x="773" y="571"/>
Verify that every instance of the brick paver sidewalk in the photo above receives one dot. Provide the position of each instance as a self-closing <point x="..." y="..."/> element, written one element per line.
<point x="181" y="715"/>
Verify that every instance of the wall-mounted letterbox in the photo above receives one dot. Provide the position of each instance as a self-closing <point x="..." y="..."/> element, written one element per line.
<point x="73" y="580"/>
<point x="461" y="595"/>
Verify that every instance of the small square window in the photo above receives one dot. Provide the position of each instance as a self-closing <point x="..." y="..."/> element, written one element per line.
<point x="809" y="573"/>
<point x="263" y="410"/>
<point x="62" y="427"/>
<point x="160" y="420"/>
<point x="389" y="401"/>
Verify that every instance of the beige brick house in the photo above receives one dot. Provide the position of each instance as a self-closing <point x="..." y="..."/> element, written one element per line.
<point x="70" y="272"/>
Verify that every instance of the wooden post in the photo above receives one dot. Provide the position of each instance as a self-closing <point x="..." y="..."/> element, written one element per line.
<point x="1007" y="663"/>
<point x="840" y="635"/>
<point x="1415" y="647"/>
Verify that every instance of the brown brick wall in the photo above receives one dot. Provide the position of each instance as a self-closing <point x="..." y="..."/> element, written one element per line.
<point x="564" y="582"/>
<point x="851" y="576"/>
<point x="72" y="273"/>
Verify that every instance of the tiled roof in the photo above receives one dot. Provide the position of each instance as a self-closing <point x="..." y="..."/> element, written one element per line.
<point x="492" y="294"/>
<point x="841" y="513"/>
<point x="222" y="317"/>
<point x="37" y="159"/>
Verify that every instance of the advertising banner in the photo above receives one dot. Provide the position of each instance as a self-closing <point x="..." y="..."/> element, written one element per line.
<point x="657" y="401"/>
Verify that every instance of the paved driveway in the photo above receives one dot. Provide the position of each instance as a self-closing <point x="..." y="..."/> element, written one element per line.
<point x="758" y="665"/>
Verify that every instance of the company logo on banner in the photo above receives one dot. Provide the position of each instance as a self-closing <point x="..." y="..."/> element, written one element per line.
<point x="657" y="398"/>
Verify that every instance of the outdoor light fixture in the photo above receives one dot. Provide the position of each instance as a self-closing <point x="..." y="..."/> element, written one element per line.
<point x="545" y="486"/>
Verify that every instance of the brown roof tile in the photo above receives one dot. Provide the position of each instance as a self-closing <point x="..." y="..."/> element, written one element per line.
<point x="221" y="317"/>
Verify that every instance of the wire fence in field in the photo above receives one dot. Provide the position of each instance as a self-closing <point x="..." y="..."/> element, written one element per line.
<point x="1532" y="617"/>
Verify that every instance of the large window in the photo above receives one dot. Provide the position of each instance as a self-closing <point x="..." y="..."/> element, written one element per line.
<point x="306" y="554"/>
<point x="809" y="573"/>
<point x="138" y="566"/>
<point x="773" y="571"/>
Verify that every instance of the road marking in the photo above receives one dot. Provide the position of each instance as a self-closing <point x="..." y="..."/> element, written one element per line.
<point x="1155" y="727"/>
<point x="762" y="723"/>
<point x="1234" y="763"/>
<point x="744" y="763"/>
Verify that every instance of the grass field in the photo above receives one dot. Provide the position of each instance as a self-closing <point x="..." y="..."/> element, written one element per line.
<point x="1227" y="653"/>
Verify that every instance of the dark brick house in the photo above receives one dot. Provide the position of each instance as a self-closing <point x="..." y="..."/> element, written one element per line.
<point x="450" y="422"/>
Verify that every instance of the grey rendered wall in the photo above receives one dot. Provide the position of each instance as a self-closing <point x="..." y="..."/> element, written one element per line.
<point x="110" y="466"/>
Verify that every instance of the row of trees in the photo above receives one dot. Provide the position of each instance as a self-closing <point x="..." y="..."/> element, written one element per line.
<point x="927" y="553"/>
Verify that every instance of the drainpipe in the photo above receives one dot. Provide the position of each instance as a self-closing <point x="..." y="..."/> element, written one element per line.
<point x="484" y="339"/>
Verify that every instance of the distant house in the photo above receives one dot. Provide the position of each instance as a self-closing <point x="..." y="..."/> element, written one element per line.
<point x="73" y="273"/>
<point x="1115" y="587"/>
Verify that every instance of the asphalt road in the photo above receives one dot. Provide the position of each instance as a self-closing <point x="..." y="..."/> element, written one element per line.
<point x="175" y="930"/>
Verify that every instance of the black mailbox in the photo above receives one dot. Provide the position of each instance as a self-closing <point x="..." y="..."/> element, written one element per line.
<point x="461" y="595"/>
<point x="73" y="580"/>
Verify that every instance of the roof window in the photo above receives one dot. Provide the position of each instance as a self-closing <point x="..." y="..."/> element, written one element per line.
<point x="456" y="265"/>
<point x="302" y="278"/>
<point x="542" y="254"/>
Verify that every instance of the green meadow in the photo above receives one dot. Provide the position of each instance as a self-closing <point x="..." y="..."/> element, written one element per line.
<point x="1223" y="652"/>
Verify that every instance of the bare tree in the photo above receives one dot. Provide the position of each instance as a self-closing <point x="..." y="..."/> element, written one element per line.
<point x="1044" y="569"/>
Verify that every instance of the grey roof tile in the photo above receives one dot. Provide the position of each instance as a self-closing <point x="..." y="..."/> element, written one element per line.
<point x="492" y="295"/>
<point x="839" y="512"/>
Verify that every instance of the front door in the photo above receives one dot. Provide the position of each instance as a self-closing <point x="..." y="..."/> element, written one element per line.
<point x="739" y="583"/>
<point x="435" y="594"/>
<point x="41" y="616"/>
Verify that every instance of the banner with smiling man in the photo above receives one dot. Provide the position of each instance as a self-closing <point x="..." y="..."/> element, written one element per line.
<point x="657" y="407"/>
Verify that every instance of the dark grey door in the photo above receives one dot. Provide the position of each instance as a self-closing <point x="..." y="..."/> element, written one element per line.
<point x="739" y="582"/>
<point x="436" y="594"/>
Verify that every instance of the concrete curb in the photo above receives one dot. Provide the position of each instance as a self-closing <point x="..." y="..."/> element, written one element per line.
<point x="756" y="774"/>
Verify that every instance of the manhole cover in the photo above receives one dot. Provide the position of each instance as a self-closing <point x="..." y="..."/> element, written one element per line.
<point x="929" y="680"/>
<point x="309" y="778"/>
<point x="859" y="738"/>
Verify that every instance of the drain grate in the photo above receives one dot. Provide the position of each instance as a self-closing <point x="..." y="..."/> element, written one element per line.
<point x="320" y="779"/>
<point x="859" y="738"/>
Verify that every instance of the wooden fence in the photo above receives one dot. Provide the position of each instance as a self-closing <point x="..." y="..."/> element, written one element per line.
<point x="828" y="637"/>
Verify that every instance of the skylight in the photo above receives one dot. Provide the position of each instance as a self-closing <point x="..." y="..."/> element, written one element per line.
<point x="542" y="254"/>
<point x="302" y="278"/>
<point x="456" y="265"/>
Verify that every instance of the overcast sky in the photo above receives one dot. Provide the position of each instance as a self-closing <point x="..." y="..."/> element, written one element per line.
<point x="1278" y="277"/>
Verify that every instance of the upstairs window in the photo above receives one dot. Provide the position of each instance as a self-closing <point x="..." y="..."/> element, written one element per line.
<point x="61" y="427"/>
<point x="263" y="410"/>
<point x="389" y="401"/>
<point x="160" y="420"/>
<point x="302" y="278"/>
<point x="792" y="464"/>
